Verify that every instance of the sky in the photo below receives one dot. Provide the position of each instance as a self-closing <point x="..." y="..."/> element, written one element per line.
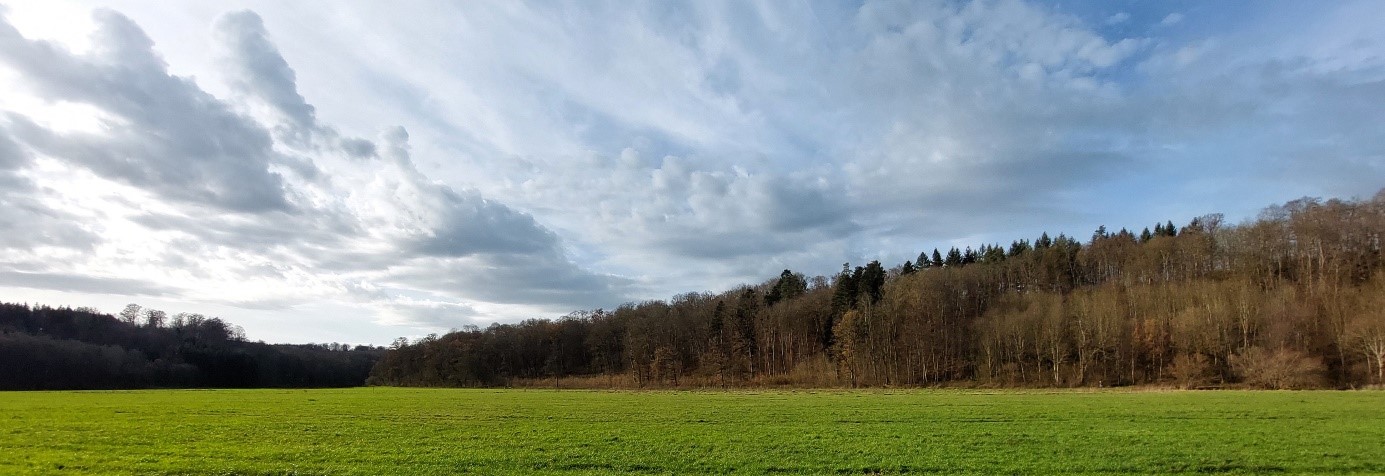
<point x="356" y="171"/>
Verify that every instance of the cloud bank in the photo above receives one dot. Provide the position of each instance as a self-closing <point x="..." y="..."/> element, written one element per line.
<point x="435" y="165"/>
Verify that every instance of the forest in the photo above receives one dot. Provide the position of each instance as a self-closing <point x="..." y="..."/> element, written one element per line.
<point x="45" y="348"/>
<point x="1294" y="298"/>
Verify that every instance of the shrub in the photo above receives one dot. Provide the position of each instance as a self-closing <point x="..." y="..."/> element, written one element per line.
<point x="1277" y="369"/>
<point x="1191" y="370"/>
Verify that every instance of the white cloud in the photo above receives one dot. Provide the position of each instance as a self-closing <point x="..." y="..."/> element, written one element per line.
<point x="191" y="193"/>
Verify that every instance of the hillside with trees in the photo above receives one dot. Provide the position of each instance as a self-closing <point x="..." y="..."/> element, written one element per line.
<point x="45" y="348"/>
<point x="1292" y="299"/>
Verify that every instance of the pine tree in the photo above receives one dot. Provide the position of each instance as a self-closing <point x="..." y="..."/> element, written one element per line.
<point x="1018" y="247"/>
<point x="954" y="257"/>
<point x="844" y="292"/>
<point x="1099" y="234"/>
<point x="993" y="254"/>
<point x="872" y="281"/>
<point x="789" y="286"/>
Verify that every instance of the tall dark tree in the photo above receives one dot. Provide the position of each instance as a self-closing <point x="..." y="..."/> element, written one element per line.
<point x="872" y="281"/>
<point x="1018" y="247"/>
<point x="845" y="290"/>
<point x="954" y="258"/>
<point x="969" y="256"/>
<point x="790" y="285"/>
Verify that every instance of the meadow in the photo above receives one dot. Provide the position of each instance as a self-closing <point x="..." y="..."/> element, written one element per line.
<point x="370" y="431"/>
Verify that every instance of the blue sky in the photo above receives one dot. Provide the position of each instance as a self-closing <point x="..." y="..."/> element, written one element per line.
<point x="357" y="171"/>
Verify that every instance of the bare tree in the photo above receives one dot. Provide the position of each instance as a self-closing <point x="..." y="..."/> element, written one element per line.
<point x="131" y="314"/>
<point x="154" y="318"/>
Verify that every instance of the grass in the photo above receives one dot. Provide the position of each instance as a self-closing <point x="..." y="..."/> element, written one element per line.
<point x="443" y="431"/>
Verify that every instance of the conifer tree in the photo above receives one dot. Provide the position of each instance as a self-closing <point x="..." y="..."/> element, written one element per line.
<point x="1018" y="247"/>
<point x="844" y="292"/>
<point x="923" y="261"/>
<point x="872" y="281"/>
<point x="954" y="257"/>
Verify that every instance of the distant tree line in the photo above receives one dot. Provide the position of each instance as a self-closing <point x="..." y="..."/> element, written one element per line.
<point x="1294" y="298"/>
<point x="45" y="348"/>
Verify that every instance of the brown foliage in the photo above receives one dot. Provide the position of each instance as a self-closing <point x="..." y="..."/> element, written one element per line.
<point x="1278" y="369"/>
<point x="1191" y="370"/>
<point x="1289" y="300"/>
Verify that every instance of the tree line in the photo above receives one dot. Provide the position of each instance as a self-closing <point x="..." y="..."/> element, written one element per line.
<point x="1294" y="298"/>
<point x="46" y="348"/>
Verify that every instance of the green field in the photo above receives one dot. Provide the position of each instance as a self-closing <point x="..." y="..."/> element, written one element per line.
<point x="443" y="431"/>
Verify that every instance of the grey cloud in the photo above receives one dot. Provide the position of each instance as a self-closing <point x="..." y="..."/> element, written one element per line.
<point x="759" y="216"/>
<point x="11" y="155"/>
<point x="264" y="232"/>
<point x="433" y="314"/>
<point x="170" y="137"/>
<point x="793" y="206"/>
<point x="483" y="249"/>
<point x="259" y="68"/>
<point x="472" y="224"/>
<point x="687" y="209"/>
<point x="32" y="224"/>
<point x="465" y="223"/>
<point x="358" y="148"/>
<point x="82" y="283"/>
<point x="691" y="244"/>
<point x="549" y="281"/>
<point x="28" y="220"/>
